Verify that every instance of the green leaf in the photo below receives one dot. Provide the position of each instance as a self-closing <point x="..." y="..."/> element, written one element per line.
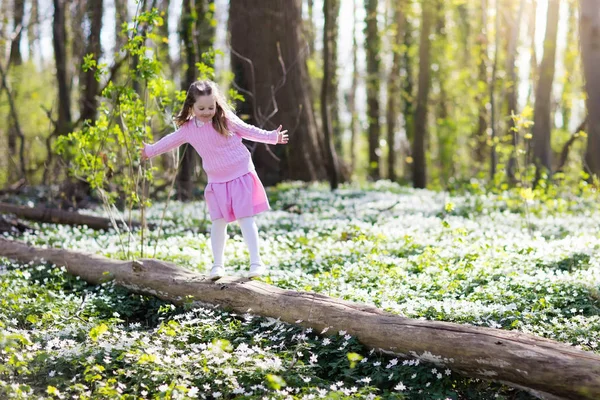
<point x="98" y="331"/>
<point x="354" y="358"/>
<point x="275" y="381"/>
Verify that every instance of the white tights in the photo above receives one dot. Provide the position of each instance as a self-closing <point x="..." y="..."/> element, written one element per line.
<point x="218" y="236"/>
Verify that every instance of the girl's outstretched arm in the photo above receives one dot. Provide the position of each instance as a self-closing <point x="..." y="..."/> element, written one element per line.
<point x="167" y="143"/>
<point x="251" y="132"/>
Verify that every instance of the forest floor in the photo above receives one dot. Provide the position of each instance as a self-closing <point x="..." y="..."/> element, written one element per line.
<point x="505" y="261"/>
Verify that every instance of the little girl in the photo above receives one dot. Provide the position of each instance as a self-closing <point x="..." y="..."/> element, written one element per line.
<point x="234" y="191"/>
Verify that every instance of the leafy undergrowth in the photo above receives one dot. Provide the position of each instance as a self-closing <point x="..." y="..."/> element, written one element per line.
<point x="475" y="259"/>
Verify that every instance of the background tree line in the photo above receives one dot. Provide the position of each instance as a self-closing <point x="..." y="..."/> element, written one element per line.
<point x="428" y="92"/>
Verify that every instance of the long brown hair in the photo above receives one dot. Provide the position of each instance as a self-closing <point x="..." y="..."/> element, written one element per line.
<point x="205" y="88"/>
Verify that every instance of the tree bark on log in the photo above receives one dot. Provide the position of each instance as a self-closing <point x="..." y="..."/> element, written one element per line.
<point x="55" y="216"/>
<point x="546" y="367"/>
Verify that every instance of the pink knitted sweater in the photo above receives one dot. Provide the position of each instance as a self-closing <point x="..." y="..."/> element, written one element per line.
<point x="223" y="158"/>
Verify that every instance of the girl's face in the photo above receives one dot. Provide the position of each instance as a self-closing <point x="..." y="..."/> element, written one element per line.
<point x="205" y="108"/>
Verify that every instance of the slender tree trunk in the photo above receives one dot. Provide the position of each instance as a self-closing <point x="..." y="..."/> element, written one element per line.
<point x="394" y="90"/>
<point x="204" y="31"/>
<point x="352" y="95"/>
<point x="330" y="9"/>
<point x="542" y="152"/>
<point x="310" y="27"/>
<point x="482" y="97"/>
<point x="445" y="139"/>
<point x="14" y="127"/>
<point x="76" y="42"/>
<point x="142" y="7"/>
<point x="533" y="64"/>
<point x="164" y="31"/>
<point x="33" y="32"/>
<point x="494" y="108"/>
<point x="569" y="62"/>
<point x="408" y="95"/>
<point x="420" y="165"/>
<point x="336" y="127"/>
<point x="89" y="103"/>
<point x="15" y="60"/>
<point x="464" y="16"/>
<point x="269" y="63"/>
<point x="373" y="47"/>
<point x="589" y="33"/>
<point x="5" y="12"/>
<point x="188" y="158"/>
<point x="121" y="17"/>
<point x="4" y="33"/>
<point x="514" y="24"/>
<point x="16" y="57"/>
<point x="59" y="40"/>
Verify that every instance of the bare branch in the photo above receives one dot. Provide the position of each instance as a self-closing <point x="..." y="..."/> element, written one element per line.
<point x="564" y="154"/>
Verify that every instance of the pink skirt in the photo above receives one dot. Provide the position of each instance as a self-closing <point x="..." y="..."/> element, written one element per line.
<point x="238" y="198"/>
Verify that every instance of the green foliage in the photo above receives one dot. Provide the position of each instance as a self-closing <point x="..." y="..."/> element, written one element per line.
<point x="34" y="99"/>
<point x="106" y="152"/>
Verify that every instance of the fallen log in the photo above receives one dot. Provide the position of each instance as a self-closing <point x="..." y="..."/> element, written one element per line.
<point x="13" y="225"/>
<point x="548" y="368"/>
<point x="14" y="188"/>
<point x="55" y="216"/>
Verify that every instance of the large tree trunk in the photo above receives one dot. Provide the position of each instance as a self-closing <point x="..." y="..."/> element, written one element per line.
<point x="328" y="88"/>
<point x="269" y="63"/>
<point x="59" y="40"/>
<point x="55" y="216"/>
<point x="589" y="33"/>
<point x="89" y="104"/>
<point x="394" y="90"/>
<point x="542" y="152"/>
<point x="373" y="47"/>
<point x="513" y="358"/>
<point x="419" y="166"/>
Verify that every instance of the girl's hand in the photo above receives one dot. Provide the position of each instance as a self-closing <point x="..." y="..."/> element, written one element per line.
<point x="282" y="136"/>
<point x="143" y="152"/>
